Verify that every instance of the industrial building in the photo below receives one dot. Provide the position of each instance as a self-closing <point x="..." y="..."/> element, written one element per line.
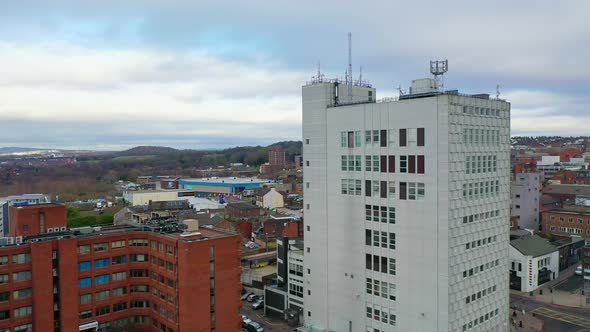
<point x="215" y="185"/>
<point x="127" y="278"/>
<point x="144" y="197"/>
<point x="396" y="211"/>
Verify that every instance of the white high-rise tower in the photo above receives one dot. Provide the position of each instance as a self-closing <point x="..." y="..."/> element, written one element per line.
<point x="407" y="209"/>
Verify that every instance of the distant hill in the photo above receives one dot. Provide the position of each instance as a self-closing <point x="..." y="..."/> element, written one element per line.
<point x="146" y="150"/>
<point x="18" y="149"/>
<point x="165" y="157"/>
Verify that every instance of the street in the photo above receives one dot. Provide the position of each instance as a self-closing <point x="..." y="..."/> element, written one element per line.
<point x="556" y="318"/>
<point x="270" y="324"/>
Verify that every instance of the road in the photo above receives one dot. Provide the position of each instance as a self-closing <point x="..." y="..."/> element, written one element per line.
<point x="556" y="318"/>
<point x="270" y="324"/>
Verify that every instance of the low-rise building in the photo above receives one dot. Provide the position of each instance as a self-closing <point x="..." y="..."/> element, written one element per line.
<point x="533" y="262"/>
<point x="269" y="198"/>
<point x="566" y="221"/>
<point x="242" y="210"/>
<point x="17" y="200"/>
<point x="144" y="197"/>
<point x="37" y="219"/>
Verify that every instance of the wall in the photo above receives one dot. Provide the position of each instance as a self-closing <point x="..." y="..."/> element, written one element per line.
<point x="25" y="221"/>
<point x="272" y="199"/>
<point x="194" y="285"/>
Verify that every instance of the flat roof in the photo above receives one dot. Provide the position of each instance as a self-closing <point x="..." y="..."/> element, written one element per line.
<point x="572" y="209"/>
<point x="567" y="189"/>
<point x="534" y="246"/>
<point x="228" y="180"/>
<point x="36" y="206"/>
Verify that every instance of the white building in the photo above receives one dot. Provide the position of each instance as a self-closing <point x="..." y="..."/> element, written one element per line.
<point x="402" y="198"/>
<point x="295" y="282"/>
<point x="143" y="197"/>
<point x="525" y="199"/>
<point x="533" y="262"/>
<point x="551" y="165"/>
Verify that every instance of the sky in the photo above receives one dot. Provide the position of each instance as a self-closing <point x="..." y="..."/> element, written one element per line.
<point x="109" y="75"/>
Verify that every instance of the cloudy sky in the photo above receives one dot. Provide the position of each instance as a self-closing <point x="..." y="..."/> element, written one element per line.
<point x="211" y="74"/>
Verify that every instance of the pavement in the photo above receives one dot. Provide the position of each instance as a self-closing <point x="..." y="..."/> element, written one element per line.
<point x="566" y="290"/>
<point x="555" y="317"/>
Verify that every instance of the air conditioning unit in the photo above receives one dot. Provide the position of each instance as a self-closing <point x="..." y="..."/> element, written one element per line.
<point x="19" y="240"/>
<point x="50" y="230"/>
<point x="9" y="240"/>
<point x="63" y="229"/>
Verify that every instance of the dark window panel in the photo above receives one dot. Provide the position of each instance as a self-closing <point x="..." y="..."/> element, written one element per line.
<point x="420" y="164"/>
<point x="402" y="190"/>
<point x="420" y="136"/>
<point x="391" y="164"/>
<point x="383" y="137"/>
<point x="368" y="188"/>
<point x="383" y="164"/>
<point x="412" y="164"/>
<point x="402" y="137"/>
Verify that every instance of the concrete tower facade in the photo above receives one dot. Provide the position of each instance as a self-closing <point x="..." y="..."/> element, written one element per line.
<point x="407" y="206"/>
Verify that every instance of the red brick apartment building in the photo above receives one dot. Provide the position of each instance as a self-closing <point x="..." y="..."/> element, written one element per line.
<point x="123" y="278"/>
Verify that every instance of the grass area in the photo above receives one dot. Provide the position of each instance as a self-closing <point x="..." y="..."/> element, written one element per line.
<point x="111" y="211"/>
<point x="77" y="218"/>
<point x="104" y="219"/>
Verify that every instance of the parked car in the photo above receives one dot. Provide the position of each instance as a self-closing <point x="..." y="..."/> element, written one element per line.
<point x="246" y="295"/>
<point x="245" y="322"/>
<point x="579" y="270"/>
<point x="254" y="327"/>
<point x="258" y="304"/>
<point x="252" y="298"/>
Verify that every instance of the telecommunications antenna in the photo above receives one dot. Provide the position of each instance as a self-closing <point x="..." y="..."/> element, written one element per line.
<point x="438" y="69"/>
<point x="349" y="72"/>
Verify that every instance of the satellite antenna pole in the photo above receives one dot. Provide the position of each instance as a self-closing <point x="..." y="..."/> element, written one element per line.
<point x="497" y="91"/>
<point x="438" y="69"/>
<point x="349" y="78"/>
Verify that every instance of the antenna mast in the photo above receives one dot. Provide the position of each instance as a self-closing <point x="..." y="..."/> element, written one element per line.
<point x="349" y="76"/>
<point x="438" y="69"/>
<point x="361" y="74"/>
